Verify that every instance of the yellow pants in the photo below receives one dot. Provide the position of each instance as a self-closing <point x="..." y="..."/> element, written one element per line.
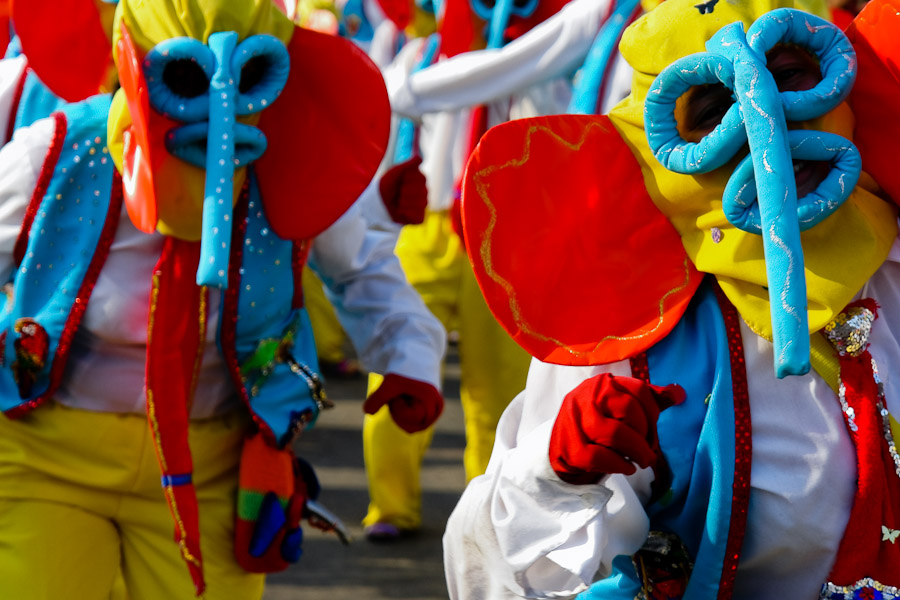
<point x="493" y="370"/>
<point x="81" y="505"/>
<point x="328" y="333"/>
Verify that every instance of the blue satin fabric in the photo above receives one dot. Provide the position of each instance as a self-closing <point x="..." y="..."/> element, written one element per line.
<point x="211" y="138"/>
<point x="697" y="440"/>
<point x="589" y="79"/>
<point x="406" y="129"/>
<point x="759" y="118"/>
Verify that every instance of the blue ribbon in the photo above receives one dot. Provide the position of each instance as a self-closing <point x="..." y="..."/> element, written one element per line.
<point x="759" y="118"/>
<point x="589" y="79"/>
<point x="406" y="129"/>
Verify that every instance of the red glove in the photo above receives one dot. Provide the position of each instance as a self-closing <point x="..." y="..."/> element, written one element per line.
<point x="404" y="193"/>
<point x="414" y="405"/>
<point x="606" y="424"/>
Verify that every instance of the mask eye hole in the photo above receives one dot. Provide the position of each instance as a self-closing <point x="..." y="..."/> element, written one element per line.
<point x="262" y="64"/>
<point x="704" y="108"/>
<point x="253" y="71"/>
<point x="794" y="68"/>
<point x="178" y="72"/>
<point x="185" y="78"/>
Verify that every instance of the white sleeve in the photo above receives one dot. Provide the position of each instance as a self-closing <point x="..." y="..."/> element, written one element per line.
<point x="554" y="48"/>
<point x="21" y="161"/>
<point x="389" y="325"/>
<point x="519" y="531"/>
<point x="12" y="70"/>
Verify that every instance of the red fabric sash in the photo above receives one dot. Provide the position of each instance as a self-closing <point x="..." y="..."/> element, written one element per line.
<point x="175" y="336"/>
<point x="871" y="543"/>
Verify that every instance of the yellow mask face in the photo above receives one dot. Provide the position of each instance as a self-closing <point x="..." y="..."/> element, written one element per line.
<point x="180" y="185"/>
<point x="840" y="253"/>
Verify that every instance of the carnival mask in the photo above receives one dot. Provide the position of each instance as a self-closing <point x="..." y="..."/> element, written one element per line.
<point x="196" y="109"/>
<point x="737" y="216"/>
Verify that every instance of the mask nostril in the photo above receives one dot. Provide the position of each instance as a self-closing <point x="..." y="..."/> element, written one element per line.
<point x="185" y="78"/>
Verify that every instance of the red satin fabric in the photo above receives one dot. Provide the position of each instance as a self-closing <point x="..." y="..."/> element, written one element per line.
<point x="327" y="134"/>
<point x="404" y="192"/>
<point x="606" y="424"/>
<point x="875" y="34"/>
<point x="574" y="259"/>
<point x="414" y="405"/>
<point x="863" y="551"/>
<point x="65" y="45"/>
<point x="174" y="339"/>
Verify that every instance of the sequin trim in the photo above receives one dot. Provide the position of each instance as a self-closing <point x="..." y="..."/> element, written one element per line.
<point x="885" y="420"/>
<point x="81" y="301"/>
<point x="639" y="367"/>
<point x="743" y="447"/>
<point x="40" y="190"/>
<point x="864" y="589"/>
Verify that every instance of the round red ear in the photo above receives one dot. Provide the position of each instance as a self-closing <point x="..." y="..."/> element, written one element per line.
<point x="573" y="257"/>
<point x="65" y="45"/>
<point x="327" y="133"/>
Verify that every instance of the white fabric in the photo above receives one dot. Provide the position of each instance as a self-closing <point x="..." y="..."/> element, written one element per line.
<point x="385" y="318"/>
<point x="105" y="372"/>
<point x="802" y="483"/>
<point x="530" y="76"/>
<point x="554" y="48"/>
<point x="11" y="72"/>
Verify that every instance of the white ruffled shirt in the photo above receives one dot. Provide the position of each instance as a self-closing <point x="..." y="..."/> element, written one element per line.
<point x="530" y="76"/>
<point x="521" y="532"/>
<point x="385" y="318"/>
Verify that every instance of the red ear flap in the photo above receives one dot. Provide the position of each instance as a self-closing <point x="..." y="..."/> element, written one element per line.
<point x="573" y="257"/>
<point x="875" y="34"/>
<point x="137" y="168"/>
<point x="65" y="45"/>
<point x="327" y="134"/>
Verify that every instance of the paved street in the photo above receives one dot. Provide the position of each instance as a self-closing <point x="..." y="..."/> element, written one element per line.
<point x="407" y="569"/>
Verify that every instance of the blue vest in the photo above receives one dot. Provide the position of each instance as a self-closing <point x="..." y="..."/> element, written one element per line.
<point x="75" y="213"/>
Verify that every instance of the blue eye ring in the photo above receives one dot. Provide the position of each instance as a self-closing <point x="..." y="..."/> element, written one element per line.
<point x="671" y="150"/>
<point x="274" y="79"/>
<point x="739" y="199"/>
<point x="837" y="59"/>
<point x="163" y="98"/>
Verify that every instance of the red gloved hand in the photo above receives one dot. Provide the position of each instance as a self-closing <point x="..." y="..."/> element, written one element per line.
<point x="404" y="193"/>
<point x="414" y="405"/>
<point x="606" y="424"/>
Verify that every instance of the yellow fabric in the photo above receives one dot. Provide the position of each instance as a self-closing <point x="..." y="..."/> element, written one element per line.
<point x="328" y="333"/>
<point x="841" y="253"/>
<point x="149" y="23"/>
<point x="422" y="23"/>
<point x="80" y="500"/>
<point x="493" y="369"/>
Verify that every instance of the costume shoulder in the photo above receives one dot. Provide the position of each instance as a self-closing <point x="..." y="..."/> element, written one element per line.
<point x="573" y="257"/>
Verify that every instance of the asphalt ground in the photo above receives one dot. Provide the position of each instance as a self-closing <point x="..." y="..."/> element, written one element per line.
<point x="409" y="568"/>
